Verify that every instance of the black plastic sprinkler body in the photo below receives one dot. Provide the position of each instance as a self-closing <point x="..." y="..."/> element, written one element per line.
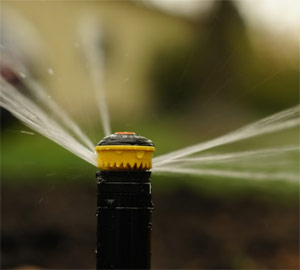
<point x="124" y="204"/>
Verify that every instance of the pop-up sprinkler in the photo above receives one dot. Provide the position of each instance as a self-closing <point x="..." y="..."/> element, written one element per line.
<point x="124" y="204"/>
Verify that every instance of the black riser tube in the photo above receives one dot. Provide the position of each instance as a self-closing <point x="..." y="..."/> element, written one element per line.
<point x="124" y="220"/>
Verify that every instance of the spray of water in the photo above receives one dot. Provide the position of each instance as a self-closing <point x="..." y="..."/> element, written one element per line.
<point x="42" y="96"/>
<point x="279" y="163"/>
<point x="276" y="163"/>
<point x="291" y="177"/>
<point x="280" y="121"/>
<point x="236" y="157"/>
<point x="37" y="119"/>
<point x="91" y="40"/>
<point x="17" y="65"/>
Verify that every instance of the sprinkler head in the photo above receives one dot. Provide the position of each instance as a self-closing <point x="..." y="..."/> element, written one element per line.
<point x="125" y="151"/>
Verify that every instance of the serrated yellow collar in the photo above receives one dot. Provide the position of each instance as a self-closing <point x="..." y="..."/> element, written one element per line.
<point x="124" y="157"/>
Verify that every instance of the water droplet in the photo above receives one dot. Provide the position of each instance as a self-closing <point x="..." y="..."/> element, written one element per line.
<point x="27" y="132"/>
<point x="140" y="154"/>
<point x="22" y="75"/>
<point x="50" y="71"/>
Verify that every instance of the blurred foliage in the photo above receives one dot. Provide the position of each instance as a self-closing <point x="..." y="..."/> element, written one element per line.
<point x="221" y="66"/>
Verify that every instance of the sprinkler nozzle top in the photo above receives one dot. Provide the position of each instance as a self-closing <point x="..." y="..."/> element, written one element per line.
<point x="125" y="151"/>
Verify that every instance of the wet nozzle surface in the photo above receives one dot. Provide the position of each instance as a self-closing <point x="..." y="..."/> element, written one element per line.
<point x="125" y="151"/>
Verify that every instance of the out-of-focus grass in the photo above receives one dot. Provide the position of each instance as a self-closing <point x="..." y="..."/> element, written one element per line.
<point x="35" y="158"/>
<point x="230" y="189"/>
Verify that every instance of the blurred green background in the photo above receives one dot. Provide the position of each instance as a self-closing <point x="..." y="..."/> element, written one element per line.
<point x="178" y="73"/>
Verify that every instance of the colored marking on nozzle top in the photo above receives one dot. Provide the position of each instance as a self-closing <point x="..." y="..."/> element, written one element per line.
<point x="125" y="132"/>
<point x="125" y="151"/>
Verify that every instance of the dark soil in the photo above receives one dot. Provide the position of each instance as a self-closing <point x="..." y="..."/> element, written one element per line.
<point x="55" y="227"/>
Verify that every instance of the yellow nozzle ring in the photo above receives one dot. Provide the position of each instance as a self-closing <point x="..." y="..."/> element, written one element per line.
<point x="124" y="157"/>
